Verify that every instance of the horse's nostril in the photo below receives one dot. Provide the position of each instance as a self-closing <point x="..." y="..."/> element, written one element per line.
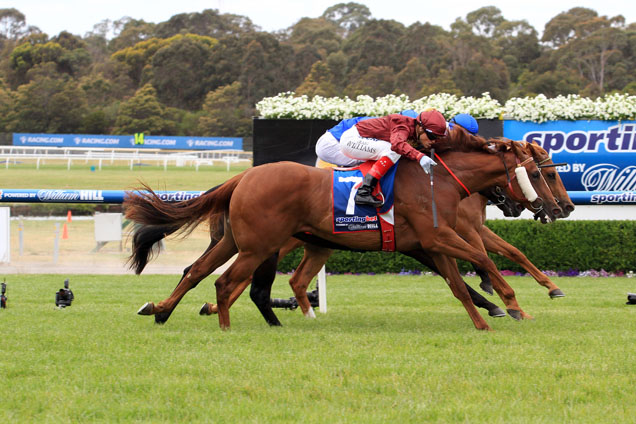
<point x="519" y="207"/>
<point x="569" y="207"/>
<point x="556" y="211"/>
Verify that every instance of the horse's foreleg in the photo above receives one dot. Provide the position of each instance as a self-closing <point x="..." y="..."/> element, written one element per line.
<point x="449" y="243"/>
<point x="201" y="268"/>
<point x="478" y="300"/>
<point x="496" y="244"/>
<point x="313" y="260"/>
<point x="448" y="269"/>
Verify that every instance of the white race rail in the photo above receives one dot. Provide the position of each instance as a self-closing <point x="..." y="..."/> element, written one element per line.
<point x="13" y="154"/>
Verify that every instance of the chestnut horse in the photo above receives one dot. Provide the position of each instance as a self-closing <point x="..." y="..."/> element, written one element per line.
<point x="268" y="204"/>
<point x="470" y="226"/>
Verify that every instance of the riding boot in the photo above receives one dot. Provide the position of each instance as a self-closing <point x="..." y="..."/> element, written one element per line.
<point x="364" y="195"/>
<point x="378" y="170"/>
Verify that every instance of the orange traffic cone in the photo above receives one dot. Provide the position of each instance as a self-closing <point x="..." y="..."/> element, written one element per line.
<point x="65" y="231"/>
<point x="69" y="217"/>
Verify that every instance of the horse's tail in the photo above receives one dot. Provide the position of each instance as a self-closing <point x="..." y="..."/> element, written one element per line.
<point x="156" y="219"/>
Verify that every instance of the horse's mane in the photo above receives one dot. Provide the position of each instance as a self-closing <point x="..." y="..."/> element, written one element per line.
<point x="460" y="140"/>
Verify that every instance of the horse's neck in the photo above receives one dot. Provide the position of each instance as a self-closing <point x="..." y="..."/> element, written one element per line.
<point x="475" y="170"/>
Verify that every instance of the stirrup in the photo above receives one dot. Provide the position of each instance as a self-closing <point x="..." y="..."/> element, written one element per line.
<point x="368" y="200"/>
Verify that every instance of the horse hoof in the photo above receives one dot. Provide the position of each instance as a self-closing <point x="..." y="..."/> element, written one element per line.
<point x="487" y="287"/>
<point x="497" y="313"/>
<point x="208" y="309"/>
<point x="146" y="309"/>
<point x="162" y="317"/>
<point x="556" y="293"/>
<point x="514" y="314"/>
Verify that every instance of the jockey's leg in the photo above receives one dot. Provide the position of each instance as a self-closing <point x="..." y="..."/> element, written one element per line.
<point x="364" y="196"/>
<point x="355" y="146"/>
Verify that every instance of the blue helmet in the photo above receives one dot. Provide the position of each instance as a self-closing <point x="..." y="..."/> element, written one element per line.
<point x="410" y="113"/>
<point x="465" y="121"/>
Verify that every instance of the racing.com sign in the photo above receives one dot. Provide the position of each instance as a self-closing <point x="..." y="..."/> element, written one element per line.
<point x="136" y="141"/>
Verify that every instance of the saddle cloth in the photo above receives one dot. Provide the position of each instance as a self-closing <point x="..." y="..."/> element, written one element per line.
<point x="349" y="217"/>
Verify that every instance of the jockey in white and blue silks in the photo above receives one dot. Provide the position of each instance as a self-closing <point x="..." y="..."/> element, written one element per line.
<point x="465" y="121"/>
<point x="328" y="145"/>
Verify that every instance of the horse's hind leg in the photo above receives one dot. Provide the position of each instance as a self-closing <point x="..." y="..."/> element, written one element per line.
<point x="313" y="260"/>
<point x="242" y="269"/>
<point x="200" y="269"/>
<point x="261" y="290"/>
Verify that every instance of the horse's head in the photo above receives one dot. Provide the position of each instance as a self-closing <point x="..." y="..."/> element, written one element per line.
<point x="549" y="172"/>
<point x="527" y="178"/>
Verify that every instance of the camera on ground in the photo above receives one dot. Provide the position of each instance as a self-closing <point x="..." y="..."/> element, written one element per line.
<point x="64" y="297"/>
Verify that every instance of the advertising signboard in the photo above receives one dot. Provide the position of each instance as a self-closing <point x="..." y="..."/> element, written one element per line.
<point x="600" y="156"/>
<point x="136" y="141"/>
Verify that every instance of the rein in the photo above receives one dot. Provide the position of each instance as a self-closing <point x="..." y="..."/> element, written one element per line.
<point x="550" y="165"/>
<point x="452" y="174"/>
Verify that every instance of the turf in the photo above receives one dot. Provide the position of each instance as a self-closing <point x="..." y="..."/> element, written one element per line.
<point x="115" y="177"/>
<point x="390" y="349"/>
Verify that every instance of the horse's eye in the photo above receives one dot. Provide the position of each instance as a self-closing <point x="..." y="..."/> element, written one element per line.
<point x="552" y="176"/>
<point x="536" y="175"/>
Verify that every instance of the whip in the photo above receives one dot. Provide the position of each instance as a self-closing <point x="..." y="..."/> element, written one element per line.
<point x="433" y="205"/>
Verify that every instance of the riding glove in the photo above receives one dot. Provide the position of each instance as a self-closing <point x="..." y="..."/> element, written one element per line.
<point x="426" y="163"/>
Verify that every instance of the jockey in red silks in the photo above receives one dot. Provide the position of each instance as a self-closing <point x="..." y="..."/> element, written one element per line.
<point x="385" y="140"/>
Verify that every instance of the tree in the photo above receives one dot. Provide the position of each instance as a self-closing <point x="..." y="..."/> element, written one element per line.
<point x="560" y="29"/>
<point x="179" y="71"/>
<point x="485" y="20"/>
<point x="348" y="16"/>
<point x="561" y="81"/>
<point x="318" y="33"/>
<point x="482" y="75"/>
<point x="517" y="45"/>
<point x="411" y="79"/>
<point x="12" y="24"/>
<point x="319" y="82"/>
<point x="6" y="107"/>
<point x="73" y="60"/>
<point x="137" y="58"/>
<point x="377" y="81"/>
<point x="224" y="114"/>
<point x="443" y="82"/>
<point x="426" y="42"/>
<point x="596" y="45"/>
<point x="373" y="44"/>
<point x="209" y="23"/>
<point x="129" y="32"/>
<point x="48" y="105"/>
<point x="143" y="113"/>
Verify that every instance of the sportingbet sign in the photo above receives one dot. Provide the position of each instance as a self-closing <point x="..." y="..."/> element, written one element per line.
<point x="600" y="156"/>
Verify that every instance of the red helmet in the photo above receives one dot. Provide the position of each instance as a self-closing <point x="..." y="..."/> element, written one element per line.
<point x="433" y="121"/>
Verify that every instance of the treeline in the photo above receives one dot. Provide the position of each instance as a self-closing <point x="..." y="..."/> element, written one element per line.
<point x="202" y="73"/>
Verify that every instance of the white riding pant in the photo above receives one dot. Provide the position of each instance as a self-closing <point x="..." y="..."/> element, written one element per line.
<point x="361" y="148"/>
<point x="328" y="150"/>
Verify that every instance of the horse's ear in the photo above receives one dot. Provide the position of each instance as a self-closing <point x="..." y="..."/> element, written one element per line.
<point x="494" y="146"/>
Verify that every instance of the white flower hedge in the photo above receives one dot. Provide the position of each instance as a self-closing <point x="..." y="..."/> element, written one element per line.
<point x="537" y="109"/>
